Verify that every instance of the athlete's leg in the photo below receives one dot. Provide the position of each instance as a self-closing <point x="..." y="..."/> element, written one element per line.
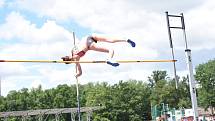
<point x="78" y="69"/>
<point x="109" y="39"/>
<point x="110" y="61"/>
<point x="104" y="38"/>
<point x="102" y="49"/>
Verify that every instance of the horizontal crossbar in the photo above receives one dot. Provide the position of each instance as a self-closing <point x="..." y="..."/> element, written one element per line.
<point x="59" y="61"/>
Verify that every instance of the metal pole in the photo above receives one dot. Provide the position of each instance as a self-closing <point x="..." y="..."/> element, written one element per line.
<point x="89" y="114"/>
<point x="72" y="116"/>
<point x="77" y="89"/>
<point x="169" y="31"/>
<point x="5" y="118"/>
<point x="184" y="32"/>
<point x="78" y="100"/>
<point x="192" y="84"/>
<point x="190" y="73"/>
<point x="189" y="64"/>
<point x="73" y="38"/>
<point x="172" y="50"/>
<point x="57" y="117"/>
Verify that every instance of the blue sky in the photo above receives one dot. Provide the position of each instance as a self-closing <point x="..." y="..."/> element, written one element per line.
<point x="42" y="29"/>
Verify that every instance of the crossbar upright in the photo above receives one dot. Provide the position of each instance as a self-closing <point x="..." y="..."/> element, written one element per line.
<point x="189" y="62"/>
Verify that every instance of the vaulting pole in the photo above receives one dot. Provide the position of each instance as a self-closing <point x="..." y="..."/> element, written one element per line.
<point x="78" y="99"/>
<point x="77" y="84"/>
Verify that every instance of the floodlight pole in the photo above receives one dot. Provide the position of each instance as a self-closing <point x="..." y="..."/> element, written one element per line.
<point x="189" y="64"/>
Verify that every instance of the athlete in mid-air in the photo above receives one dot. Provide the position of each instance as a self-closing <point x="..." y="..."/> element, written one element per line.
<point x="90" y="43"/>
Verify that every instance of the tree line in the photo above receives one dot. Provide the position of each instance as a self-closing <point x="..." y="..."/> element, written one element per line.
<point x="128" y="100"/>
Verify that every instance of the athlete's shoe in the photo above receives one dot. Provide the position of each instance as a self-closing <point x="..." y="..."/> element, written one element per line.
<point x="112" y="63"/>
<point x="132" y="43"/>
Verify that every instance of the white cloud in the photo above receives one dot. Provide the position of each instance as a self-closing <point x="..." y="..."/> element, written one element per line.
<point x="201" y="26"/>
<point x="36" y="83"/>
<point x="57" y="75"/>
<point x="13" y="69"/>
<point x="49" y="40"/>
<point x="130" y="19"/>
<point x="7" y="85"/>
<point x="138" y="19"/>
<point x="16" y="26"/>
<point x="17" y="82"/>
<point x="2" y="2"/>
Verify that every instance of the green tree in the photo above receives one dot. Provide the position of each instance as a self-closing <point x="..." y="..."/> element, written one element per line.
<point x="158" y="84"/>
<point x="11" y="101"/>
<point x="205" y="74"/>
<point x="164" y="91"/>
<point x="2" y="103"/>
<point x="127" y="100"/>
<point x="65" y="96"/>
<point x="183" y="94"/>
<point x="156" y="77"/>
